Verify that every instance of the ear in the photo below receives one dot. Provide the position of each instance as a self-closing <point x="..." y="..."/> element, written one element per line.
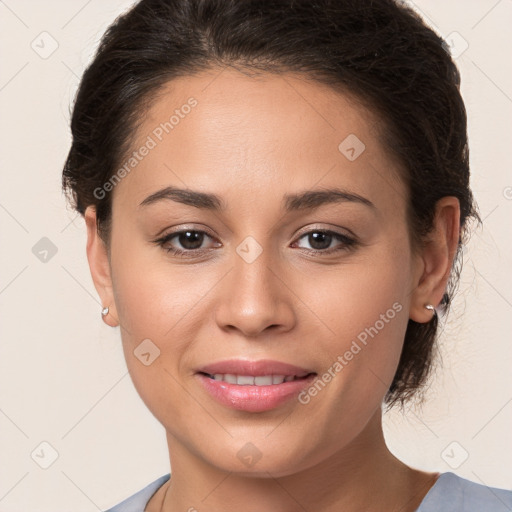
<point x="435" y="259"/>
<point x="99" y="264"/>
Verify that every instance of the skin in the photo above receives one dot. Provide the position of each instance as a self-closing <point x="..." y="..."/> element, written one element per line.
<point x="251" y="141"/>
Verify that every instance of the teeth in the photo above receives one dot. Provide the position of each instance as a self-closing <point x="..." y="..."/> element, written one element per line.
<point x="264" y="380"/>
<point x="230" y="378"/>
<point x="250" y="380"/>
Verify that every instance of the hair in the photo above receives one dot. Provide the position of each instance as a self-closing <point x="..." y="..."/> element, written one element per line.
<point x="379" y="51"/>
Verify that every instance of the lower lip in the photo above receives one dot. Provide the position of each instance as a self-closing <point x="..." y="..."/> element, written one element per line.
<point x="253" y="398"/>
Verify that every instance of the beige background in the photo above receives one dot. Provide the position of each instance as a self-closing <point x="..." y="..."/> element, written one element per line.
<point x="63" y="378"/>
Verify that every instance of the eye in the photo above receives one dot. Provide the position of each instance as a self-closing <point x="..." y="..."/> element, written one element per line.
<point x="191" y="241"/>
<point x="320" y="241"/>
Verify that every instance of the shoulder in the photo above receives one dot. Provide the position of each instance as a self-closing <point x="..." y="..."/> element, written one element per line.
<point x="138" y="501"/>
<point x="451" y="493"/>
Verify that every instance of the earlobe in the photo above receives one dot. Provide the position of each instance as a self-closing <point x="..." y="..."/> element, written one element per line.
<point x="437" y="255"/>
<point x="99" y="265"/>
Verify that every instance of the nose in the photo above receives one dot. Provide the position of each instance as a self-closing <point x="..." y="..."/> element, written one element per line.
<point x="256" y="297"/>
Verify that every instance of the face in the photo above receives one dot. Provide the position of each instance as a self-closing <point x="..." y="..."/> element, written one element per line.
<point x="246" y="276"/>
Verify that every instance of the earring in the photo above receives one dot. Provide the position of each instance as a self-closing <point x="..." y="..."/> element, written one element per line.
<point x="430" y="307"/>
<point x="104" y="311"/>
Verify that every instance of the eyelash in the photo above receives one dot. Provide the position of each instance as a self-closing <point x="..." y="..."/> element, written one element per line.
<point x="347" y="243"/>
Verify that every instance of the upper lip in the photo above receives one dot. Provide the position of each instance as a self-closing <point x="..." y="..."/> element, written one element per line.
<point x="255" y="368"/>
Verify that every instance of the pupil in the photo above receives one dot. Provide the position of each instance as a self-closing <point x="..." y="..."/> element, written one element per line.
<point x="316" y="238"/>
<point x="191" y="239"/>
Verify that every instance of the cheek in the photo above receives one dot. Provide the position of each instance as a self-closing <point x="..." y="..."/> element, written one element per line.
<point x="155" y="306"/>
<point x="363" y="308"/>
<point x="152" y="294"/>
<point x="162" y="302"/>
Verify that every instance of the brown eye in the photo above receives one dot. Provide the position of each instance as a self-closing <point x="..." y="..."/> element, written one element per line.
<point x="184" y="241"/>
<point x="190" y="239"/>
<point x="320" y="241"/>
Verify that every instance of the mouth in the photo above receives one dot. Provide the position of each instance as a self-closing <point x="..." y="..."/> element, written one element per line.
<point x="253" y="386"/>
<point x="255" y="380"/>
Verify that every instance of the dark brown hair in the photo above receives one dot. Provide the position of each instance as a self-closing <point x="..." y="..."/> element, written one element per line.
<point x="378" y="50"/>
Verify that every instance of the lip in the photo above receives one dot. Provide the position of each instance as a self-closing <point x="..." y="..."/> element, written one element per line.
<point x="256" y="368"/>
<point x="253" y="398"/>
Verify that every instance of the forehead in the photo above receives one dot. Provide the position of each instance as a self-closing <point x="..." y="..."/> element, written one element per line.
<point x="222" y="129"/>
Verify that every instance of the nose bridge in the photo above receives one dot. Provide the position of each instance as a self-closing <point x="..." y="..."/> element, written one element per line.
<point x="256" y="298"/>
<point x="253" y="272"/>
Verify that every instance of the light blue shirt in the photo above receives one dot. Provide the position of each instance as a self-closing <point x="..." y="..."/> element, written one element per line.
<point x="450" y="493"/>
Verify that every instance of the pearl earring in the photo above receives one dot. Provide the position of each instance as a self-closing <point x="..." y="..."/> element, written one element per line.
<point x="104" y="311"/>
<point x="430" y="307"/>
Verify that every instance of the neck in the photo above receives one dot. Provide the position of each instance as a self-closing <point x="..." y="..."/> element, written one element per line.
<point x="362" y="476"/>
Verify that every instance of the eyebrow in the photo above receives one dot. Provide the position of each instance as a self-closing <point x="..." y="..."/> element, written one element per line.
<point x="309" y="199"/>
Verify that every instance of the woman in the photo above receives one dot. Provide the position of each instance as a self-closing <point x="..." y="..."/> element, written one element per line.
<point x="275" y="196"/>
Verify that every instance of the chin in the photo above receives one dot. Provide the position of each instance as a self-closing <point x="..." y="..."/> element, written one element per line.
<point x="262" y="458"/>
